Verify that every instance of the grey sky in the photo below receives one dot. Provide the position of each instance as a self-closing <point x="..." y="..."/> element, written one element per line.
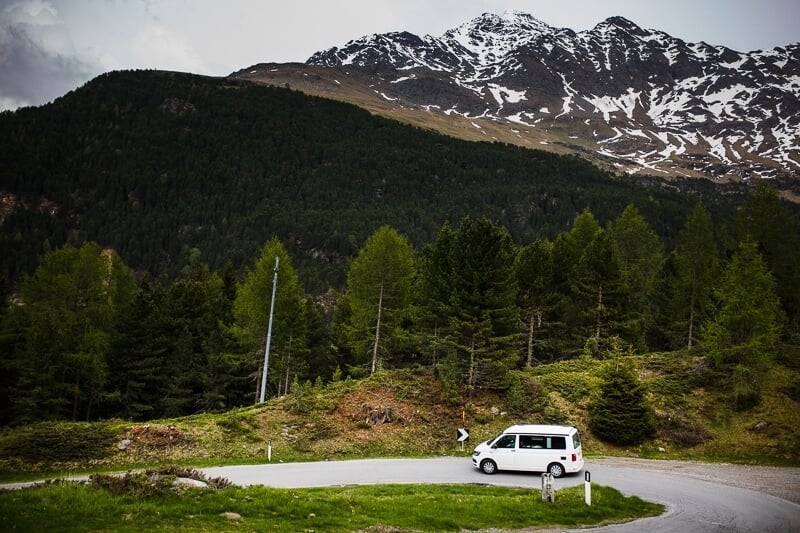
<point x="49" y="47"/>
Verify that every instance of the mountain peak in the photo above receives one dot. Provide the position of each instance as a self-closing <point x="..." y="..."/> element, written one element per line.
<point x="619" y="23"/>
<point x="644" y="100"/>
<point x="510" y="20"/>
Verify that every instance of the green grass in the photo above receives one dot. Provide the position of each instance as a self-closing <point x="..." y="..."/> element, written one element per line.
<point x="70" y="507"/>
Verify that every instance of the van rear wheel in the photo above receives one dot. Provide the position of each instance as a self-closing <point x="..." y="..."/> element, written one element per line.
<point x="556" y="469"/>
<point x="489" y="466"/>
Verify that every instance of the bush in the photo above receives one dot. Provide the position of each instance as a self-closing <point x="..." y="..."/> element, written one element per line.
<point x="620" y="413"/>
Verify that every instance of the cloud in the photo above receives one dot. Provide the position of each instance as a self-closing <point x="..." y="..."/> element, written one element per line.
<point x="156" y="45"/>
<point x="36" y="56"/>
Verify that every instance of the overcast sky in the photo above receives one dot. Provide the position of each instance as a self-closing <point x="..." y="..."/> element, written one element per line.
<point x="49" y="47"/>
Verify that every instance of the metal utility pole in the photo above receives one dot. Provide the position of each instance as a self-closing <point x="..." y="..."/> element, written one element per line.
<point x="269" y="332"/>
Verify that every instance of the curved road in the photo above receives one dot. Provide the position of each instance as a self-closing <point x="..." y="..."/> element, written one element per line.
<point x="692" y="504"/>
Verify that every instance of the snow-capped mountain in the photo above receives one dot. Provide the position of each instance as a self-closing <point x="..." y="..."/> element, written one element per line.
<point x="638" y="99"/>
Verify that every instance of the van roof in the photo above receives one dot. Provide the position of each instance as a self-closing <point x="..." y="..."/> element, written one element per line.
<point x="540" y="428"/>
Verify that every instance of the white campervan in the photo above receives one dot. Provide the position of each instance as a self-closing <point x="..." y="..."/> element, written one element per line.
<point x="532" y="447"/>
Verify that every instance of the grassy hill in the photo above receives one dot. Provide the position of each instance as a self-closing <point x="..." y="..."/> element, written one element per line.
<point x="405" y="413"/>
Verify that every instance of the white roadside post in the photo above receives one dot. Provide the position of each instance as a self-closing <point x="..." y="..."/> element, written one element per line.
<point x="269" y="450"/>
<point x="548" y="492"/>
<point x="587" y="487"/>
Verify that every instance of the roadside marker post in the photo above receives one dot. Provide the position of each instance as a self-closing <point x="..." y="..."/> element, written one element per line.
<point x="269" y="451"/>
<point x="548" y="491"/>
<point x="587" y="487"/>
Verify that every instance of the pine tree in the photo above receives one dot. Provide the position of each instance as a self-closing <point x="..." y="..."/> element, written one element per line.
<point x="640" y="254"/>
<point x="695" y="269"/>
<point x="747" y="326"/>
<point x="477" y="265"/>
<point x="536" y="294"/>
<point x="379" y="292"/>
<point x="766" y="220"/>
<point x="587" y="277"/>
<point x="620" y="413"/>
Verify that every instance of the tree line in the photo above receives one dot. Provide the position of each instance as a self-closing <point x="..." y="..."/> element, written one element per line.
<point x="84" y="338"/>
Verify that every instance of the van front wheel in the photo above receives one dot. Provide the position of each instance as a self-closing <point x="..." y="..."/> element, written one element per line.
<point x="556" y="469"/>
<point x="489" y="466"/>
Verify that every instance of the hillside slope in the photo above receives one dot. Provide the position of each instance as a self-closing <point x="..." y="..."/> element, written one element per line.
<point x="155" y="164"/>
<point x="405" y="413"/>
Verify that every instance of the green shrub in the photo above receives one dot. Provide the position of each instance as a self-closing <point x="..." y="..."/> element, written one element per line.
<point x="620" y="414"/>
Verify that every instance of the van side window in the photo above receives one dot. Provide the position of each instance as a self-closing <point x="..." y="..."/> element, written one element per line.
<point x="527" y="441"/>
<point x="506" y="441"/>
<point x="557" y="443"/>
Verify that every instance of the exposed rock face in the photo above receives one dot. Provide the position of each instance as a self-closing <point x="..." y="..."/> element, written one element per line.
<point x="641" y="98"/>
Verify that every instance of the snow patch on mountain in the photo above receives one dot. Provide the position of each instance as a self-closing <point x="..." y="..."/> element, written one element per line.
<point x="650" y="99"/>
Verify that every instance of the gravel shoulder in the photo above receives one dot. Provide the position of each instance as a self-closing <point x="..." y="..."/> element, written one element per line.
<point x="782" y="482"/>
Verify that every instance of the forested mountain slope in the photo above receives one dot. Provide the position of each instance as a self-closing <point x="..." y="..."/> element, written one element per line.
<point x="160" y="166"/>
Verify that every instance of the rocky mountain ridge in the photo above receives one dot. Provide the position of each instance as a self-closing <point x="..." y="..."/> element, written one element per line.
<point x="638" y="100"/>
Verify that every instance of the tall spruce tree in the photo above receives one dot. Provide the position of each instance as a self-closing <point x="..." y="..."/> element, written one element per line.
<point x="766" y="220"/>
<point x="640" y="254"/>
<point x="536" y="295"/>
<point x="695" y="268"/>
<point x="379" y="292"/>
<point x="747" y="325"/>
<point x="139" y="374"/>
<point x="586" y="275"/>
<point x="480" y="302"/>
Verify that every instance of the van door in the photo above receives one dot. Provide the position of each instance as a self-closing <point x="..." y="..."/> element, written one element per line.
<point x="504" y="452"/>
<point x="532" y="454"/>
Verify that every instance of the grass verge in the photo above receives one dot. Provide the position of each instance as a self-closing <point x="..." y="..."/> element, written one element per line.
<point x="85" y="507"/>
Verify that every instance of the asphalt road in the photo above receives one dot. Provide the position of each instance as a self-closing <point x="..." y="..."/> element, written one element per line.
<point x="692" y="505"/>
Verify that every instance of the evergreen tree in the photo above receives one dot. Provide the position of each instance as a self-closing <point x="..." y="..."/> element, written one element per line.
<point x="766" y="220"/>
<point x="536" y="295"/>
<point x="435" y="291"/>
<point x="477" y="264"/>
<point x="139" y="370"/>
<point x="379" y="292"/>
<point x="747" y="325"/>
<point x="586" y="277"/>
<point x="640" y="254"/>
<point x="695" y="268"/>
<point x="620" y="414"/>
<point x="72" y="304"/>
